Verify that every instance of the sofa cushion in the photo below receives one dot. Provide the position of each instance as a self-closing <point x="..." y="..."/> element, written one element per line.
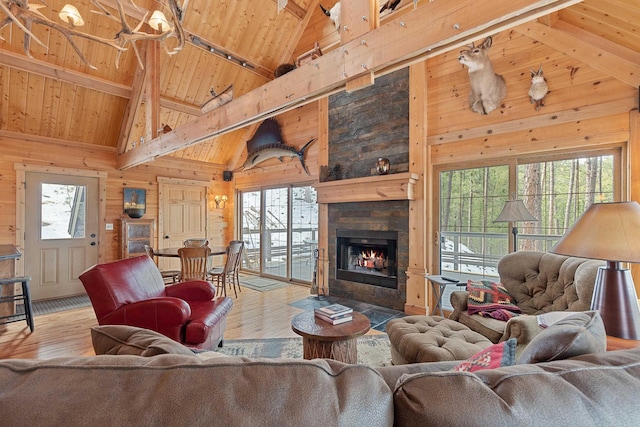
<point x="577" y="334"/>
<point x="489" y="327"/>
<point x="130" y="340"/>
<point x="495" y="356"/>
<point x="591" y="390"/>
<point x="177" y="390"/>
<point x="486" y="297"/>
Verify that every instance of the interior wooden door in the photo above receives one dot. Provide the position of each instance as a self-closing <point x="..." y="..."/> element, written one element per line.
<point x="184" y="212"/>
<point x="61" y="240"/>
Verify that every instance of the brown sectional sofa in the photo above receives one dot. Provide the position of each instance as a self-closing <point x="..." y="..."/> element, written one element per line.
<point x="540" y="283"/>
<point x="182" y="390"/>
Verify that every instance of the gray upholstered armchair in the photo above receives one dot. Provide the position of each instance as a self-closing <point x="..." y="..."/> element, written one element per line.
<point x="539" y="282"/>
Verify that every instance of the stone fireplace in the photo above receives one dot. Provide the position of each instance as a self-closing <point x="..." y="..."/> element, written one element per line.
<point x="368" y="214"/>
<point x="368" y="252"/>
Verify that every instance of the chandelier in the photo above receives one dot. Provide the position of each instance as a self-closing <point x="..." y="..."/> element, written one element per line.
<point x="24" y="15"/>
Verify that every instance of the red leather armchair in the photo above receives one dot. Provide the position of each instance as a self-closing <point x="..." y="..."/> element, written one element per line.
<point x="132" y="292"/>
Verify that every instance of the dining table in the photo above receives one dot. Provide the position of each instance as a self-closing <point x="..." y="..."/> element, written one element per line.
<point x="173" y="252"/>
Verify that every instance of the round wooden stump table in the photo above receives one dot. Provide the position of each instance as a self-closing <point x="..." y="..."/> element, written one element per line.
<point x="322" y="340"/>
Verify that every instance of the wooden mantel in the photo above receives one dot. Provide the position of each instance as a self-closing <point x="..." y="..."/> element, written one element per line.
<point x="398" y="186"/>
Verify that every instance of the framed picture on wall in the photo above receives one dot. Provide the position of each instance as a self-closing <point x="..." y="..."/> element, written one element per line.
<point x="135" y="202"/>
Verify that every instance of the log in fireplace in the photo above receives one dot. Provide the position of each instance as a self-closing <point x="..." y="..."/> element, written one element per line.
<point x="367" y="256"/>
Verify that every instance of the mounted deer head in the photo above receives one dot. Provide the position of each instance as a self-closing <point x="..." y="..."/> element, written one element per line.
<point x="488" y="89"/>
<point x="538" y="90"/>
<point x="333" y="14"/>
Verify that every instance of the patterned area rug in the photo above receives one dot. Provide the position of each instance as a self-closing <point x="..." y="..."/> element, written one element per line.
<point x="262" y="284"/>
<point x="373" y="350"/>
<point x="55" y="305"/>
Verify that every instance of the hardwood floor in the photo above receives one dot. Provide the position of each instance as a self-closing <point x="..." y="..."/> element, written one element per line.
<point x="254" y="315"/>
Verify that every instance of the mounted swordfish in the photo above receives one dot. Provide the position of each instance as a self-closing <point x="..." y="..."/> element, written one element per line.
<point x="267" y="144"/>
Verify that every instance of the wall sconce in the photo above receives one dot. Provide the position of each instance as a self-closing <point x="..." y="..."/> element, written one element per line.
<point x="221" y="201"/>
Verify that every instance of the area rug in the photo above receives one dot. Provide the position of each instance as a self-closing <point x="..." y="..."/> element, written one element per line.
<point x="373" y="350"/>
<point x="262" y="284"/>
<point x="56" y="305"/>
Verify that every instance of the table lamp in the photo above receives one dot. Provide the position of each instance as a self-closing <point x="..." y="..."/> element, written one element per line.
<point x="515" y="211"/>
<point x="608" y="231"/>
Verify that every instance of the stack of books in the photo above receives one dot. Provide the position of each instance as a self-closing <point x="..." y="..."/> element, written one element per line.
<point x="334" y="314"/>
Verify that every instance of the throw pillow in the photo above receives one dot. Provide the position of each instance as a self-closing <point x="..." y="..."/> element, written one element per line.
<point x="495" y="356"/>
<point x="486" y="297"/>
<point x="580" y="333"/>
<point x="130" y="340"/>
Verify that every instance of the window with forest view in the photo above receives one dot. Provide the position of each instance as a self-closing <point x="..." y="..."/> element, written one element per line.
<point x="556" y="192"/>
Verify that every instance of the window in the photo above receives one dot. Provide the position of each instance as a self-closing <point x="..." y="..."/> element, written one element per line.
<point x="63" y="211"/>
<point x="556" y="191"/>
<point x="280" y="231"/>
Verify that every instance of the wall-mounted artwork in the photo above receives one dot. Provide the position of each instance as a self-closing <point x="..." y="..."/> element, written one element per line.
<point x="135" y="202"/>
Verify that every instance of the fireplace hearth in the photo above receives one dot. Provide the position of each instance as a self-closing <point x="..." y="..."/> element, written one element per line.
<point x="367" y="256"/>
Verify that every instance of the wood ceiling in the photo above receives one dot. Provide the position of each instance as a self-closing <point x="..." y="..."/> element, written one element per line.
<point x="55" y="95"/>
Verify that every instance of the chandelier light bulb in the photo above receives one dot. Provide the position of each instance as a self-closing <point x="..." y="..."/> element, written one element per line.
<point x="158" y="21"/>
<point x="71" y="16"/>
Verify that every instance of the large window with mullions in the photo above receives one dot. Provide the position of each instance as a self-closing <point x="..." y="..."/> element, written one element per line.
<point x="556" y="190"/>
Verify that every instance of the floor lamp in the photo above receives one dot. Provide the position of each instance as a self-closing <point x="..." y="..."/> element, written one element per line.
<point x="608" y="231"/>
<point x="515" y="211"/>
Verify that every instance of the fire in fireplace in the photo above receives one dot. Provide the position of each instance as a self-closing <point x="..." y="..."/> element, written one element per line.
<point x="367" y="256"/>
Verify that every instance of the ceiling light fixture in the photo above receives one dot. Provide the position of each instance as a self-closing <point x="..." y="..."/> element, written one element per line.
<point x="25" y="15"/>
<point x="197" y="41"/>
<point x="71" y="16"/>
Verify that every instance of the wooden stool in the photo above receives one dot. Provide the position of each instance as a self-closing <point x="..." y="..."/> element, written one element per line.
<point x="24" y="297"/>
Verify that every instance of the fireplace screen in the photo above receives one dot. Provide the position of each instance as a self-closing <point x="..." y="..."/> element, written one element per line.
<point x="367" y="257"/>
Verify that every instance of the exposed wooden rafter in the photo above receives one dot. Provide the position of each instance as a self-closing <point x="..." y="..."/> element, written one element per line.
<point x="400" y="40"/>
<point x="45" y="69"/>
<point x="295" y="9"/>
<point x="610" y="58"/>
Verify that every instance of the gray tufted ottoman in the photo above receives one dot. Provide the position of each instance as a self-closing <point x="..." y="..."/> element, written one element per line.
<point x="416" y="339"/>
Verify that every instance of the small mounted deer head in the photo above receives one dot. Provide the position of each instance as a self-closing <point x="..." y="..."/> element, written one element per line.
<point x="539" y="89"/>
<point x="488" y="89"/>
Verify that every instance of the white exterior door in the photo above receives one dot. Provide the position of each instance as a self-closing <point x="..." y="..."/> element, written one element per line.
<point x="61" y="237"/>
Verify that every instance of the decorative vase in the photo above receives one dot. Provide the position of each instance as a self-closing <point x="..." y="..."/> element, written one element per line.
<point x="383" y="166"/>
<point x="134" y="213"/>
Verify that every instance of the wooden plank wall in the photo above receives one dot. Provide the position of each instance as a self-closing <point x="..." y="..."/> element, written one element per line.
<point x="585" y="109"/>
<point x="83" y="156"/>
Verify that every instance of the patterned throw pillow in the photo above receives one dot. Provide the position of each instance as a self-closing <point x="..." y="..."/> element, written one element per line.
<point x="486" y="296"/>
<point x="495" y="356"/>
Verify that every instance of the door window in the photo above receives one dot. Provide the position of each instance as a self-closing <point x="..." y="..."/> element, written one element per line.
<point x="63" y="211"/>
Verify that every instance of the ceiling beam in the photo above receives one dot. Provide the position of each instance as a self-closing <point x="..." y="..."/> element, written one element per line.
<point x="612" y="59"/>
<point x="295" y="9"/>
<point x="290" y="46"/>
<point x="403" y="39"/>
<point x="45" y="69"/>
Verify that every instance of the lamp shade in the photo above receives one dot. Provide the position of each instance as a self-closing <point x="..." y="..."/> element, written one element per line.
<point x="70" y="15"/>
<point x="515" y="211"/>
<point x="606" y="231"/>
<point x="158" y="21"/>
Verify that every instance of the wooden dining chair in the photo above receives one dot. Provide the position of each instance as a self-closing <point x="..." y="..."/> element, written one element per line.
<point x="169" y="276"/>
<point x="229" y="274"/>
<point x="194" y="263"/>
<point x="195" y="243"/>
